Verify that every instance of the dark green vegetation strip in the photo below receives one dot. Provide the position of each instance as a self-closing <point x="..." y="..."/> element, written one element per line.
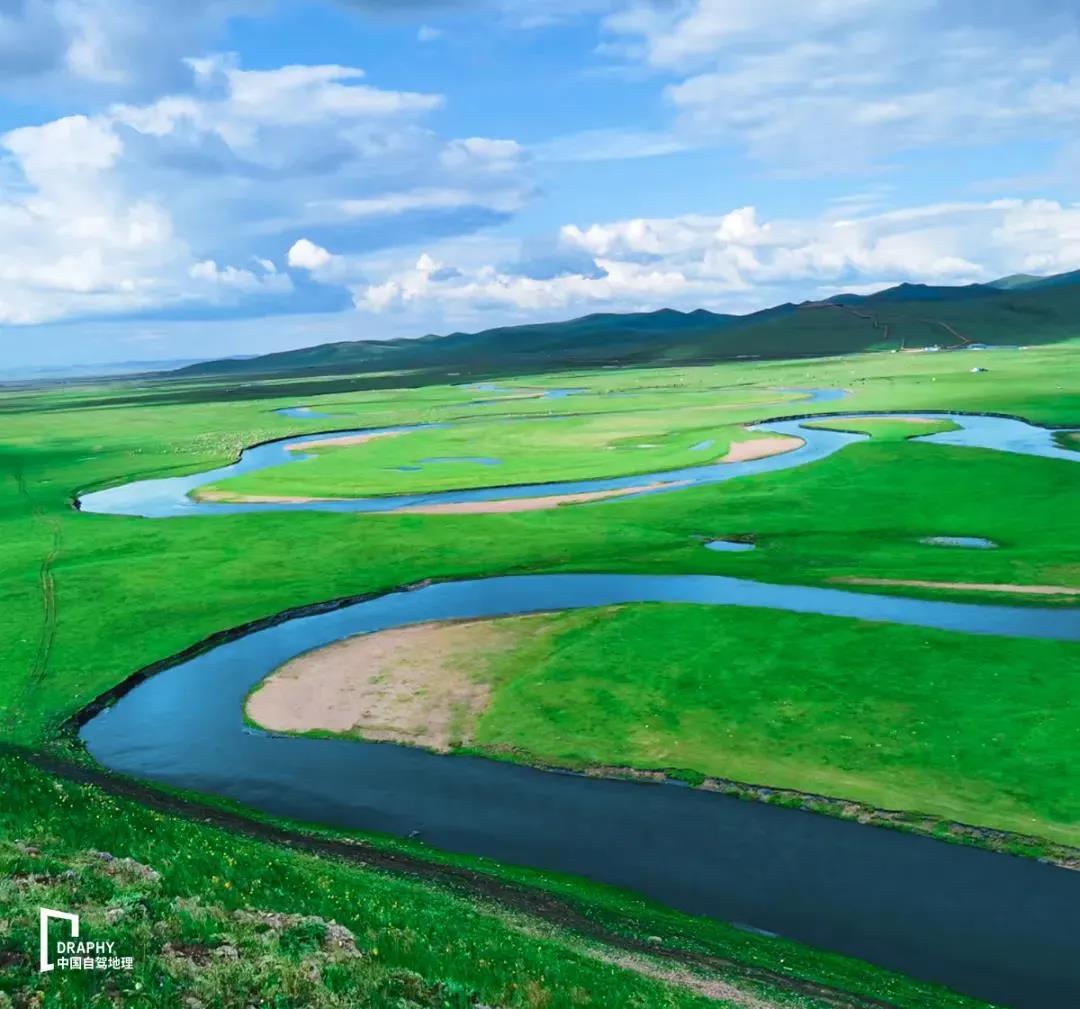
<point x="438" y="933"/>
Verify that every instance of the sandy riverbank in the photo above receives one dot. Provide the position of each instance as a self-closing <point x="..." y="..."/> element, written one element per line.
<point x="916" y="583"/>
<point x="411" y="684"/>
<point x="529" y="504"/>
<point x="347" y="439"/>
<point x="762" y="448"/>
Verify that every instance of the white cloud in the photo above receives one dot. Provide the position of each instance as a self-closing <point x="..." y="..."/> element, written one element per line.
<point x="737" y="262"/>
<point x="426" y="33"/>
<point x="73" y="144"/>
<point x="241" y="107"/>
<point x="810" y="85"/>
<point x="483" y="153"/>
<point x="238" y="279"/>
<point x="487" y="288"/>
<point x="306" y="255"/>
<point x="135" y="208"/>
<point x="307" y="94"/>
<point x="388" y="204"/>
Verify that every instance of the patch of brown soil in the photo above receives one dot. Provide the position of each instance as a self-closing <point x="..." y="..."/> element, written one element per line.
<point x="348" y="439"/>
<point x="410" y="684"/>
<point x="762" y="448"/>
<point x="916" y="583"/>
<point x="230" y="498"/>
<point x="529" y="504"/>
<point x="681" y="977"/>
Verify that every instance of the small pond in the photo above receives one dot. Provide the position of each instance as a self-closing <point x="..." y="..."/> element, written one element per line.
<point x="971" y="542"/>
<point x="730" y="546"/>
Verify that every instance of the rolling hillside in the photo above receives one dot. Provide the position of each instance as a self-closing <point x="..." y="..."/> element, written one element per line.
<point x="1014" y="310"/>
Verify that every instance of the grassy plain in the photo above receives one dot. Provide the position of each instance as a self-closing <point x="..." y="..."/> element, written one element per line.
<point x="888" y="428"/>
<point x="959" y="726"/>
<point x="652" y="419"/>
<point x="85" y="600"/>
<point x="138" y="589"/>
<point x="530" y="449"/>
<point x="962" y="727"/>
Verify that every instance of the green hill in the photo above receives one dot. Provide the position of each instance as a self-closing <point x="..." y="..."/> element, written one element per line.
<point x="1014" y="310"/>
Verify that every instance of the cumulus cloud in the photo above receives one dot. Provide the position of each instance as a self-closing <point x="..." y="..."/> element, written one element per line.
<point x="811" y="85"/>
<point x="233" y="278"/>
<point x="736" y="261"/>
<point x="134" y="208"/>
<point x="306" y="255"/>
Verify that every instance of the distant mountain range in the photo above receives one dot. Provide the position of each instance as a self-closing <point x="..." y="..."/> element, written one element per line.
<point x="1016" y="310"/>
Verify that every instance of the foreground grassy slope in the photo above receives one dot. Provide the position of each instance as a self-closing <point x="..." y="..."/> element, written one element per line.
<point x="212" y="919"/>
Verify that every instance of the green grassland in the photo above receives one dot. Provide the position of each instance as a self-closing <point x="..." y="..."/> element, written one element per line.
<point x="138" y="588"/>
<point x="651" y="419"/>
<point x="86" y="600"/>
<point x="888" y="428"/>
<point x="529" y="450"/>
<point x="963" y="727"/>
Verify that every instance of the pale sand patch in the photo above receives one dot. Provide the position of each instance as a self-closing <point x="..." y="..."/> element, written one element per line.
<point x="529" y="504"/>
<point x="762" y="448"/>
<point x="410" y="684"/>
<point x="229" y="498"/>
<point x="1027" y="590"/>
<point x="347" y="439"/>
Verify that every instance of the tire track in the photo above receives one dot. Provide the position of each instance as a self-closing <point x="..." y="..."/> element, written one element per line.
<point x="949" y="329"/>
<point x="39" y="665"/>
<point x="885" y="328"/>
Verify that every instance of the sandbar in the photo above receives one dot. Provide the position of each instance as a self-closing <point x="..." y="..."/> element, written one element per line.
<point x="411" y="684"/>
<point x="915" y="583"/>
<point x="762" y="448"/>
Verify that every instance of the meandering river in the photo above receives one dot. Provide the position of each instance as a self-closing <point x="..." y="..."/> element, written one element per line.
<point x="997" y="927"/>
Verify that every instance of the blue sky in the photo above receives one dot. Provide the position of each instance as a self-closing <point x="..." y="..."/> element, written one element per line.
<point x="195" y="178"/>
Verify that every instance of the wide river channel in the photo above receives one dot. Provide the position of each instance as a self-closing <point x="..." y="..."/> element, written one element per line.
<point x="994" y="926"/>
